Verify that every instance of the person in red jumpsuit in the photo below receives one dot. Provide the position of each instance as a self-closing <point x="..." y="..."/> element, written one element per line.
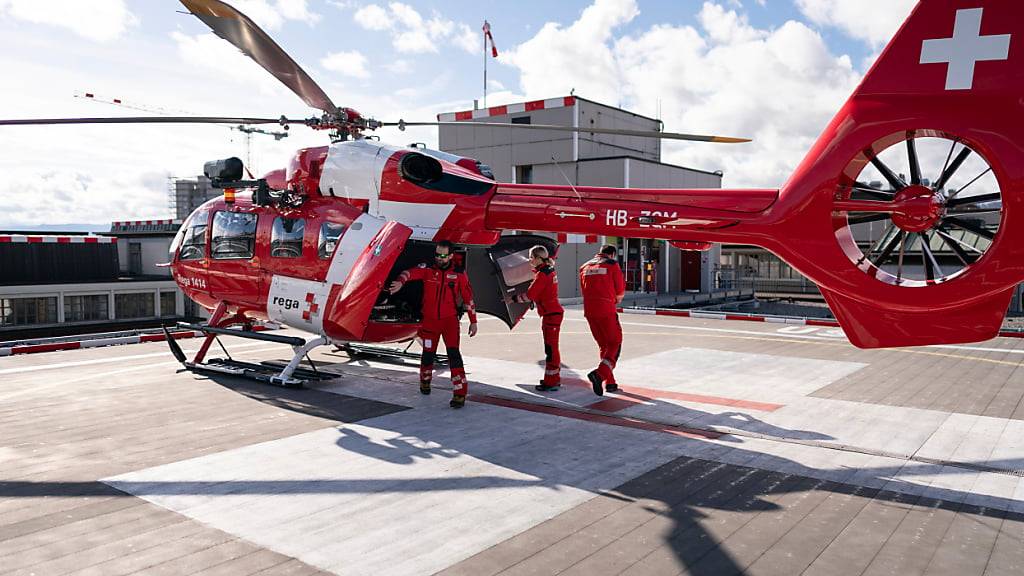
<point x="445" y="291"/>
<point x="603" y="287"/>
<point x="543" y="292"/>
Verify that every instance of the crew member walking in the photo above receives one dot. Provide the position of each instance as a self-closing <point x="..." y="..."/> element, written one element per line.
<point x="543" y="292"/>
<point x="603" y="288"/>
<point x="445" y="291"/>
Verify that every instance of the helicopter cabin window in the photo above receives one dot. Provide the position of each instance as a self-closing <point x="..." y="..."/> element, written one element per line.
<point x="193" y="243"/>
<point x="286" y="239"/>
<point x="234" y="235"/>
<point x="329" y="234"/>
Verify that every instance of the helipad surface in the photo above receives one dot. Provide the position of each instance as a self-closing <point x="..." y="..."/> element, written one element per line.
<point x="734" y="448"/>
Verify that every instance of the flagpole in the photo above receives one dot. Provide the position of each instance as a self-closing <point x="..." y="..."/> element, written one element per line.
<point x="485" y="64"/>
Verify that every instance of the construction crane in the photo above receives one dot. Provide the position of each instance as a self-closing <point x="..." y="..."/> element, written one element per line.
<point x="244" y="129"/>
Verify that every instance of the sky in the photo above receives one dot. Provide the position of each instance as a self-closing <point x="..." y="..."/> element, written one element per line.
<point x="772" y="70"/>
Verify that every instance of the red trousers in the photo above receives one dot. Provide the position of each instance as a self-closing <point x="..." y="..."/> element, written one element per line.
<point x="431" y="332"/>
<point x="550" y="326"/>
<point x="608" y="334"/>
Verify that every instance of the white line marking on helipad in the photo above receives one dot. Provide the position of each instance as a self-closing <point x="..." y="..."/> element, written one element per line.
<point x="23" y="369"/>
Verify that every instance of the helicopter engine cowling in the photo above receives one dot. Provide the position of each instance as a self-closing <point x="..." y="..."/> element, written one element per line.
<point x="304" y="170"/>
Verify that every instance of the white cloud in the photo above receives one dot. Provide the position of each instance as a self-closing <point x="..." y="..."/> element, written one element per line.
<point x="410" y="33"/>
<point x="557" y="59"/>
<point x="350" y="63"/>
<point x="372" y="17"/>
<point x="99" y="20"/>
<point x="467" y="39"/>
<point x="210" y="52"/>
<point x="406" y="15"/>
<point x="297" y="10"/>
<point x="270" y="16"/>
<point x="779" y="86"/>
<point x="872" y="21"/>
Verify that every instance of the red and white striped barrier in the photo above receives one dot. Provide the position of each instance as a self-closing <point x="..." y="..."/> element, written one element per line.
<point x="100" y="342"/>
<point x="727" y="316"/>
<point x="127" y="223"/>
<point x="507" y="109"/>
<point x="75" y="345"/>
<point x="755" y="318"/>
<point x="19" y="239"/>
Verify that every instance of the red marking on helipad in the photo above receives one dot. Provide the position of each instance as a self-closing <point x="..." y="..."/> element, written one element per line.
<point x="600" y="418"/>
<point x="648" y="395"/>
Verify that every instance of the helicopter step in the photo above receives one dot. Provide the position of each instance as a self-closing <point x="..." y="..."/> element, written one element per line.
<point x="355" y="351"/>
<point x="266" y="372"/>
<point x="286" y="376"/>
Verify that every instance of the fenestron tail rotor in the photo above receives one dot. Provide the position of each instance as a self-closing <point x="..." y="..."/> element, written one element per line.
<point x="924" y="231"/>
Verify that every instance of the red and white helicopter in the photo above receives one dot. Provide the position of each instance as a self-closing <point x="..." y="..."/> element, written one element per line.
<point x="313" y="246"/>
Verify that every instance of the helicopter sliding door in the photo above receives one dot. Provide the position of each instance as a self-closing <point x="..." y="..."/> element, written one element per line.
<point x="368" y="266"/>
<point x="501" y="273"/>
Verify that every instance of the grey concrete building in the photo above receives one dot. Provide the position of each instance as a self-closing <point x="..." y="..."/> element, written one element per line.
<point x="187" y="194"/>
<point x="588" y="159"/>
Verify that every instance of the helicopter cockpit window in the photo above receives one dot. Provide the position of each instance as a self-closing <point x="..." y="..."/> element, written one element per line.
<point x="286" y="239"/>
<point x="234" y="235"/>
<point x="329" y="234"/>
<point x="193" y="244"/>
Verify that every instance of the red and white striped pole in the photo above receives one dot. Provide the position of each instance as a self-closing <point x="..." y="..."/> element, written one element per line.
<point x="486" y="29"/>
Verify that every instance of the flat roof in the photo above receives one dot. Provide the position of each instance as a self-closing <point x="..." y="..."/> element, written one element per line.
<point x="529" y="106"/>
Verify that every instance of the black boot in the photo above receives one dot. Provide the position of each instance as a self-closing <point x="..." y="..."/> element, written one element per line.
<point x="424" y="387"/>
<point x="595" y="382"/>
<point x="457" y="402"/>
<point x="542" y="387"/>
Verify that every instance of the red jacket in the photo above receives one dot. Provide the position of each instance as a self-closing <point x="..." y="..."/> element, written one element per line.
<point x="441" y="291"/>
<point x="543" y="291"/>
<point x="603" y="286"/>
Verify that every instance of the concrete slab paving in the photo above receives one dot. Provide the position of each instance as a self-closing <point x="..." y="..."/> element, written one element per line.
<point x="735" y="448"/>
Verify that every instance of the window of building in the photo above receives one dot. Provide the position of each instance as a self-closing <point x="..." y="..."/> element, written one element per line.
<point x="286" y="239"/>
<point x="329" y="234"/>
<point x="234" y="235"/>
<point x="135" y="258"/>
<point x="193" y="245"/>
<point x="524" y="174"/>
<point x="138" y="305"/>
<point x="27" y="311"/>
<point x="168" y="304"/>
<point x="85" y="308"/>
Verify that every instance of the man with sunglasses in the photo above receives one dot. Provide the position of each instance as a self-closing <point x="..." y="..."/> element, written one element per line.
<point x="445" y="293"/>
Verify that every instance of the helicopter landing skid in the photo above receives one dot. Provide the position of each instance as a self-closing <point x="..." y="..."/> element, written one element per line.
<point x="267" y="373"/>
<point x="285" y="376"/>
<point x="384" y="353"/>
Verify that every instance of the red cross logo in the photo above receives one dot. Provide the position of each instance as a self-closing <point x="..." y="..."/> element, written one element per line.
<point x="313" y="310"/>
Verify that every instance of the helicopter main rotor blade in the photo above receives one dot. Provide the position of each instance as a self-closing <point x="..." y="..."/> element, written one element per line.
<point x="244" y="34"/>
<point x="150" y="120"/>
<point x="583" y="129"/>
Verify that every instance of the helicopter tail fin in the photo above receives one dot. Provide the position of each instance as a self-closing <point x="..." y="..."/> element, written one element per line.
<point x="950" y="252"/>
